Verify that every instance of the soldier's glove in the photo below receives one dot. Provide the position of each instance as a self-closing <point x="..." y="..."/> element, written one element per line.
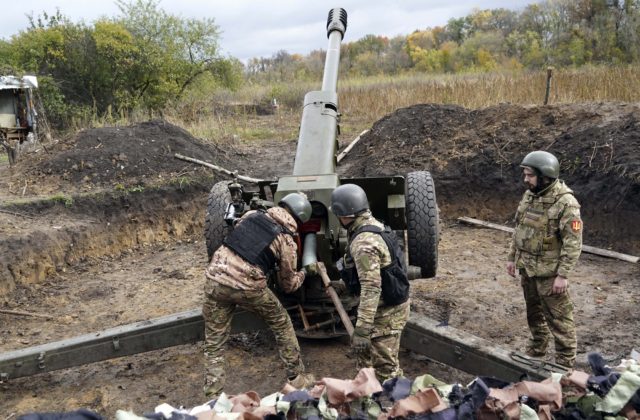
<point x="361" y="340"/>
<point x="310" y="269"/>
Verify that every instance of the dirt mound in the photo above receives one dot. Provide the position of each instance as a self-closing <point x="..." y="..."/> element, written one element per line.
<point x="474" y="157"/>
<point x="134" y="155"/>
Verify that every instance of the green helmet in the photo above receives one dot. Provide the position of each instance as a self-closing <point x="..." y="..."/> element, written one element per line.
<point x="349" y="200"/>
<point x="298" y="205"/>
<point x="544" y="162"/>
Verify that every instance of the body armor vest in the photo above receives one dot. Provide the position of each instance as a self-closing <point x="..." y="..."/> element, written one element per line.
<point x="251" y="240"/>
<point x="395" y="283"/>
<point x="538" y="225"/>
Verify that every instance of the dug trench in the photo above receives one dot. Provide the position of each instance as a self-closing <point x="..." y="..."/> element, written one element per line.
<point x="105" y="229"/>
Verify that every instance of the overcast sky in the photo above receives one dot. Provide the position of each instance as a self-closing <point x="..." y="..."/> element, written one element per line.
<point x="259" y="28"/>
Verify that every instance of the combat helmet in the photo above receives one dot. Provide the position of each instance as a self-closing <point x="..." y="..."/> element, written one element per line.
<point x="298" y="205"/>
<point x="544" y="162"/>
<point x="349" y="200"/>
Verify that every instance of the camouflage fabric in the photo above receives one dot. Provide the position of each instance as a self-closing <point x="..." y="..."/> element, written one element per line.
<point x="370" y="254"/>
<point x="547" y="243"/>
<point x="549" y="315"/>
<point x="548" y="235"/>
<point x="220" y="302"/>
<point x="227" y="268"/>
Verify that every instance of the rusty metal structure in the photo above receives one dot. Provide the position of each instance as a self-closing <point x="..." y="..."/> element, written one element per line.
<point x="18" y="116"/>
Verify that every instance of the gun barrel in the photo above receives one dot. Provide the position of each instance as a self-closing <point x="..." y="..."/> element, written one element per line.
<point x="336" y="27"/>
<point x="317" y="146"/>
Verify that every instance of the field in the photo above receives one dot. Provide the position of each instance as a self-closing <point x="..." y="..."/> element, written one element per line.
<point x="105" y="228"/>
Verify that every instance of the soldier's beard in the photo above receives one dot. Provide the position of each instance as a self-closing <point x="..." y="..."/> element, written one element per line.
<point x="532" y="187"/>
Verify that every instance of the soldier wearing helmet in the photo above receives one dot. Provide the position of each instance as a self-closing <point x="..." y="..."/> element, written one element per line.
<point x="545" y="248"/>
<point x="373" y="268"/>
<point x="237" y="276"/>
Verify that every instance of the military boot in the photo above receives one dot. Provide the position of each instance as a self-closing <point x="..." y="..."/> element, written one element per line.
<point x="303" y="380"/>
<point x="212" y="392"/>
<point x="565" y="362"/>
<point x="535" y="352"/>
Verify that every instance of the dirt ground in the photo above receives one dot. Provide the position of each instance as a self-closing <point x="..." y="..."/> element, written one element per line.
<point x="105" y="229"/>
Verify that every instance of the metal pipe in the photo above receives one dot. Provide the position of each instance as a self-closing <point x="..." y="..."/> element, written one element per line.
<point x="309" y="249"/>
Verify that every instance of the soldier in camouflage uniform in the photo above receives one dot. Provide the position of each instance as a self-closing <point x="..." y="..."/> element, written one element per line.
<point x="545" y="248"/>
<point x="384" y="302"/>
<point x="237" y="276"/>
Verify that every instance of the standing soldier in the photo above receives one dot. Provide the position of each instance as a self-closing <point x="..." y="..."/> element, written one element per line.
<point x="237" y="276"/>
<point x="373" y="268"/>
<point x="546" y="245"/>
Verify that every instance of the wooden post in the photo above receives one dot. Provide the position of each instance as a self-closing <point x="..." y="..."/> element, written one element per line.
<point x="546" y="94"/>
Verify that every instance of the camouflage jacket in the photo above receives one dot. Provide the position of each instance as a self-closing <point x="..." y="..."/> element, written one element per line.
<point x="370" y="253"/>
<point x="548" y="236"/>
<point x="229" y="269"/>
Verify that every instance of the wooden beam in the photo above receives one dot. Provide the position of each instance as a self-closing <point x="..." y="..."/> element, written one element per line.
<point x="350" y="146"/>
<point x="218" y="168"/>
<point x="23" y="313"/>
<point x="586" y="248"/>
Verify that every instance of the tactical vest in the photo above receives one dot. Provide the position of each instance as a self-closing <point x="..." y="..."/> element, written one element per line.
<point x="251" y="240"/>
<point x="538" y="225"/>
<point x="395" y="283"/>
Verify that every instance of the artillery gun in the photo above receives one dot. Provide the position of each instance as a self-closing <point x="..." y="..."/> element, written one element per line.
<point x="406" y="204"/>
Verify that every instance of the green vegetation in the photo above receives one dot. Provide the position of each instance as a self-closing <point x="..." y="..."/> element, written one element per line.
<point x="146" y="62"/>
<point x="67" y="200"/>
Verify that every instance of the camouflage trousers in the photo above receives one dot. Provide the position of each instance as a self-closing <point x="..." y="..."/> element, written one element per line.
<point x="220" y="302"/>
<point x="385" y="342"/>
<point x="549" y="315"/>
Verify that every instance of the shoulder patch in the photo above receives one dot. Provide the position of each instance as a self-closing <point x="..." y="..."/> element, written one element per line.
<point x="576" y="225"/>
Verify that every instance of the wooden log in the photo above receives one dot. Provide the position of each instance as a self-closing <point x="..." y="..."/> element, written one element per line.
<point x="23" y="313"/>
<point x="350" y="146"/>
<point x="585" y="248"/>
<point x="218" y="168"/>
<point x="16" y="214"/>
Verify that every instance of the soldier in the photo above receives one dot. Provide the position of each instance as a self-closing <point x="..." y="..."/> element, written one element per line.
<point x="545" y="248"/>
<point x="373" y="268"/>
<point x="237" y="276"/>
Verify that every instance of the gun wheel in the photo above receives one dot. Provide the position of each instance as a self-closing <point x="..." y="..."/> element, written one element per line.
<point x="215" y="228"/>
<point x="423" y="231"/>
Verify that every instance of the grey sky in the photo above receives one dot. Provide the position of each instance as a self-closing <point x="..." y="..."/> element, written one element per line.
<point x="259" y="28"/>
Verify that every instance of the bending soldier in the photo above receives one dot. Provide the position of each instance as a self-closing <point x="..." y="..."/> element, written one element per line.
<point x="237" y="276"/>
<point x="373" y="268"/>
<point x="545" y="248"/>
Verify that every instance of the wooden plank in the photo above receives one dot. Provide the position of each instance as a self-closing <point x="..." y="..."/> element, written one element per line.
<point x="585" y="248"/>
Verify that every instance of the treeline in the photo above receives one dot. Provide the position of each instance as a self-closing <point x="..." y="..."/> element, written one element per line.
<point x="145" y="59"/>
<point x="556" y="33"/>
<point x="140" y="60"/>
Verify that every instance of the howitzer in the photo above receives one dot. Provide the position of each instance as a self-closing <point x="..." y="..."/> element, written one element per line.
<point x="406" y="204"/>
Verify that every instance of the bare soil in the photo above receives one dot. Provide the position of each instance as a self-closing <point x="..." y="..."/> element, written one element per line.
<point x="105" y="229"/>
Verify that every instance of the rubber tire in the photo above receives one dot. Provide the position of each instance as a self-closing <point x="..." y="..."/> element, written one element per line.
<point x="423" y="227"/>
<point x="215" y="227"/>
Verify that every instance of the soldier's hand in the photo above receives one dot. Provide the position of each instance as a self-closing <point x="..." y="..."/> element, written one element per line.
<point x="511" y="268"/>
<point x="560" y="285"/>
<point x="361" y="340"/>
<point x="310" y="269"/>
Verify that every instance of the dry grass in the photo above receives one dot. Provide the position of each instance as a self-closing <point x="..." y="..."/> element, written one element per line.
<point x="365" y="100"/>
